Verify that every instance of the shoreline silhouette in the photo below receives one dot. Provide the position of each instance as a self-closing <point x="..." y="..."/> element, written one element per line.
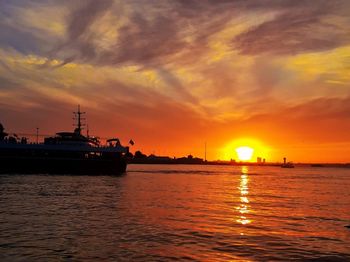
<point x="140" y="158"/>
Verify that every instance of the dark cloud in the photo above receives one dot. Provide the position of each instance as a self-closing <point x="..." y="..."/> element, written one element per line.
<point x="22" y="41"/>
<point x="152" y="35"/>
<point x="82" y="18"/>
<point x="21" y="37"/>
<point x="302" y="27"/>
<point x="142" y="40"/>
<point x="164" y="32"/>
<point x="78" y="43"/>
<point x="178" y="31"/>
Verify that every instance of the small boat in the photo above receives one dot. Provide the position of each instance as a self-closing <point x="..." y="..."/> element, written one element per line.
<point x="65" y="153"/>
<point x="287" y="164"/>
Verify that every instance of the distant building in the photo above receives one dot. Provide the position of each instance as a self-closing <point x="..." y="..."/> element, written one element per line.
<point x="258" y="160"/>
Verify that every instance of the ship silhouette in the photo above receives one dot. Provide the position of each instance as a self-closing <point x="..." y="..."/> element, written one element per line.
<point x="64" y="153"/>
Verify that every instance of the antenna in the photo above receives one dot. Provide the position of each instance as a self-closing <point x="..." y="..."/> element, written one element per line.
<point x="37" y="135"/>
<point x="205" y="151"/>
<point x="78" y="118"/>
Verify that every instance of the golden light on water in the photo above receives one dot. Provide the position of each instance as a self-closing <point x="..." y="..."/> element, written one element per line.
<point x="243" y="207"/>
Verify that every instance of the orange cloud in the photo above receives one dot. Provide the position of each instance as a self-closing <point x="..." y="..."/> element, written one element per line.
<point x="176" y="74"/>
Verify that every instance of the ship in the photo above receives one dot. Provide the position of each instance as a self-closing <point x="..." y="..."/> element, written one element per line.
<point x="64" y="153"/>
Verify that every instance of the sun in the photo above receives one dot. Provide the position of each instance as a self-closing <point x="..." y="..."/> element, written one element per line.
<point x="245" y="149"/>
<point x="244" y="153"/>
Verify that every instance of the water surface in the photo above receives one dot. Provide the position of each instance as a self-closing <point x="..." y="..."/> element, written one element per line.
<point x="178" y="212"/>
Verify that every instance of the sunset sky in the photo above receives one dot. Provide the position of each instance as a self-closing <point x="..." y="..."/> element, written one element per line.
<point x="174" y="74"/>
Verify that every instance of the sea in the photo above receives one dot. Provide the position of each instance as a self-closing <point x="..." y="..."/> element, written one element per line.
<point x="178" y="213"/>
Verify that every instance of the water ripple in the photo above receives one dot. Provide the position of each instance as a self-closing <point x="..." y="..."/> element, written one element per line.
<point x="177" y="213"/>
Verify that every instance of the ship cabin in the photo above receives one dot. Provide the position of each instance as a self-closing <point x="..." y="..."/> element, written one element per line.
<point x="71" y="138"/>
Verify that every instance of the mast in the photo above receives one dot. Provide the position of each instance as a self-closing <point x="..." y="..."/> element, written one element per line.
<point x="78" y="118"/>
<point x="37" y="135"/>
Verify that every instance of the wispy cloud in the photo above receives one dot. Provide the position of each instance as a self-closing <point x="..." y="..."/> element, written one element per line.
<point x="299" y="28"/>
<point x="217" y="68"/>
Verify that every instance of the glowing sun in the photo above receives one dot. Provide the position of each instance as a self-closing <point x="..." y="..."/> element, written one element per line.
<point x="244" y="153"/>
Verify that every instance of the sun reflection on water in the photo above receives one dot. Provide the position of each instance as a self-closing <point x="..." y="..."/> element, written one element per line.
<point x="243" y="207"/>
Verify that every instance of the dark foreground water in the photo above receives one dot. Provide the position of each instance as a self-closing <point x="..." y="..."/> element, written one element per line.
<point x="175" y="212"/>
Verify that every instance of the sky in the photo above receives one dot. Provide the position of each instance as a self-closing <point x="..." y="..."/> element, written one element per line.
<point x="175" y="74"/>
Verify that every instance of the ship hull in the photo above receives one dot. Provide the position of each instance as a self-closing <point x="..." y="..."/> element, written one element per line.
<point x="42" y="165"/>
